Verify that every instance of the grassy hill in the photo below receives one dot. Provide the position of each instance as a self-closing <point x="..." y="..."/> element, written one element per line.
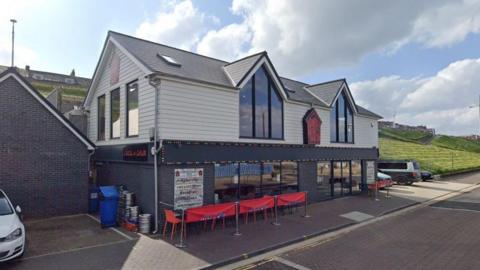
<point x="439" y="154"/>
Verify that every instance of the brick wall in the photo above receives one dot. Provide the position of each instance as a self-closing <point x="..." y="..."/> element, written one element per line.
<point x="43" y="166"/>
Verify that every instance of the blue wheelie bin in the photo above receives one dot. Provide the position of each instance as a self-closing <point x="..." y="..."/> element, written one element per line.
<point x="108" y="206"/>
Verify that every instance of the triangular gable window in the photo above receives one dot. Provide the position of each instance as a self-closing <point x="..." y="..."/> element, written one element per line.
<point x="261" y="108"/>
<point x="341" y="121"/>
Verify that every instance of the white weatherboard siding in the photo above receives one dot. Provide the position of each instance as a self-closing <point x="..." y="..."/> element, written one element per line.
<point x="193" y="112"/>
<point x="199" y="112"/>
<point x="129" y="71"/>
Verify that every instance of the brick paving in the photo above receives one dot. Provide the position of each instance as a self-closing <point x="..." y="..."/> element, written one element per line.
<point x="429" y="238"/>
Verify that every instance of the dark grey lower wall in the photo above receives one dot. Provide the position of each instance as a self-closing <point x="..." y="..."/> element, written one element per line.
<point x="137" y="178"/>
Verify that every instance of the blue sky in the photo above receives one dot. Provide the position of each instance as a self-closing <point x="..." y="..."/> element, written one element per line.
<point x="400" y="54"/>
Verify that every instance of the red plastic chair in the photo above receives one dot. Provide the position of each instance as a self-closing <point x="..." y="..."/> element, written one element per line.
<point x="170" y="218"/>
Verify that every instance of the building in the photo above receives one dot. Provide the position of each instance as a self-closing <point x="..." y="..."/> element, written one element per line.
<point x="239" y="127"/>
<point x="62" y="90"/>
<point x="421" y="128"/>
<point x="44" y="158"/>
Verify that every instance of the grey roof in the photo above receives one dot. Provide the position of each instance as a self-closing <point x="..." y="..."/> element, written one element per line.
<point x="214" y="71"/>
<point x="296" y="91"/>
<point x="327" y="91"/>
<point x="361" y="110"/>
<point x="50" y="77"/>
<point x="193" y="66"/>
<point x="237" y="70"/>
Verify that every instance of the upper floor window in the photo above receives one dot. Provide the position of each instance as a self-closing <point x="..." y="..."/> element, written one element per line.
<point x="341" y="121"/>
<point x="261" y="108"/>
<point x="132" y="109"/>
<point x="115" y="114"/>
<point x="101" y="118"/>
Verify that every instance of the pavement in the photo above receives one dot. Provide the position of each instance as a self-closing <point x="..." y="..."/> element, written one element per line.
<point x="210" y="249"/>
<point x="439" y="235"/>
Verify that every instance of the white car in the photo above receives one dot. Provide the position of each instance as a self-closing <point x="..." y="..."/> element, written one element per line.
<point x="12" y="231"/>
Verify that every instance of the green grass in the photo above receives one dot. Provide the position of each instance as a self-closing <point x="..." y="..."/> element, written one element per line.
<point x="456" y="143"/>
<point x="404" y="135"/>
<point x="436" y="159"/>
<point x="46" y="89"/>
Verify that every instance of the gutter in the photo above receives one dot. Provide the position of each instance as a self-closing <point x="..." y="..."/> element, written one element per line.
<point x="155" y="82"/>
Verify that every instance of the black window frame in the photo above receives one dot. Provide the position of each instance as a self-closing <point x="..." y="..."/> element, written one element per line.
<point x="127" y="120"/>
<point x="111" y="109"/>
<point x="345" y="127"/>
<point x="101" y="138"/>
<point x="270" y="87"/>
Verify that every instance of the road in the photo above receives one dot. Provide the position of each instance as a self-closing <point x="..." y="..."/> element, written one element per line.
<point x="443" y="235"/>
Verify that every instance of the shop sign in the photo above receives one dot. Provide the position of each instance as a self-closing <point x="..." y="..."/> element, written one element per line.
<point x="370" y="172"/>
<point x="137" y="152"/>
<point x="188" y="188"/>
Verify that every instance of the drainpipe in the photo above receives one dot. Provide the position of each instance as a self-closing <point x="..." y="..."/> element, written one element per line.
<point x="157" y="146"/>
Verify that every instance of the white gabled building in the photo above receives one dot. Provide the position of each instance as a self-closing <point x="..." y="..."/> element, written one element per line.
<point x="250" y="130"/>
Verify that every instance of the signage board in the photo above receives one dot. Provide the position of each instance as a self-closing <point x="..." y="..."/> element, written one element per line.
<point x="370" y="172"/>
<point x="135" y="152"/>
<point x="188" y="188"/>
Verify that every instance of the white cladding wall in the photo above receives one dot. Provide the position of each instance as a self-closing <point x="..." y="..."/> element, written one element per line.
<point x="129" y="72"/>
<point x="191" y="111"/>
<point x="197" y="112"/>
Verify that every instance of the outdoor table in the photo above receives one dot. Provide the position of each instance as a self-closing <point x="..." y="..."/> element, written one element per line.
<point x="210" y="212"/>
<point x="255" y="205"/>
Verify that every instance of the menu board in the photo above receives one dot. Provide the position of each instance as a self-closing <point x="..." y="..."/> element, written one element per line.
<point x="370" y="172"/>
<point x="188" y="188"/>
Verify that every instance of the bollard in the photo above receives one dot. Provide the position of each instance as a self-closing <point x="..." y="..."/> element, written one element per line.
<point x="376" y="192"/>
<point x="276" y="223"/>
<point x="182" y="244"/>
<point x="388" y="193"/>
<point x="237" y="210"/>
<point x="306" y="215"/>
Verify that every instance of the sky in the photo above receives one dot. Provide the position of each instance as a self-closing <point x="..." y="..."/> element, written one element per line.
<point x="415" y="61"/>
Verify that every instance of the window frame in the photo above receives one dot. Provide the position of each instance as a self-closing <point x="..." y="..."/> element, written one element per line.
<point x="271" y="87"/>
<point x="127" y="119"/>
<point x="346" y="108"/>
<point x="111" y="109"/>
<point x="101" y="138"/>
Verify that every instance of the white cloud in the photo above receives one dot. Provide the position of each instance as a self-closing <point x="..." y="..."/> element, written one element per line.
<point x="305" y="36"/>
<point x="178" y="24"/>
<point x="441" y="101"/>
<point x="227" y="43"/>
<point x="448" y="24"/>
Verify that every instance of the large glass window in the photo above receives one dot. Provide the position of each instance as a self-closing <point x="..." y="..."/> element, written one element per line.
<point x="261" y="108"/>
<point x="115" y="114"/>
<point x="262" y="115"/>
<point x="101" y="118"/>
<point x="132" y="109"/>
<point x="250" y="180"/>
<point x="347" y="183"/>
<point x="323" y="179"/>
<point x="289" y="176"/>
<point x="341" y="121"/>
<point x="271" y="178"/>
<point x="226" y="182"/>
<point x="246" y="120"/>
<point x="356" y="176"/>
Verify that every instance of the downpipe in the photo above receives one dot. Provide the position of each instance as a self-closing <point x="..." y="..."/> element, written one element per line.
<point x="157" y="144"/>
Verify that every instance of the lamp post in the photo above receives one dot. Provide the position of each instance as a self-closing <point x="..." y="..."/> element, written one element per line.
<point x="477" y="106"/>
<point x="13" y="39"/>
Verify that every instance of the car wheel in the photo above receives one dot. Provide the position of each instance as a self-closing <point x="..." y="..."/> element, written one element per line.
<point x="409" y="183"/>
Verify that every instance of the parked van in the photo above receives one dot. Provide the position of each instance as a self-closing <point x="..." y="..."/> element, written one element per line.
<point x="401" y="171"/>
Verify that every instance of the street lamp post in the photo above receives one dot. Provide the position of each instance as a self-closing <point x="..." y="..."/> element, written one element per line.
<point x="13" y="39"/>
<point x="477" y="106"/>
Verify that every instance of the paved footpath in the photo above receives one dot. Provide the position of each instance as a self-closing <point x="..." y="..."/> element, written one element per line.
<point x="437" y="235"/>
<point x="212" y="249"/>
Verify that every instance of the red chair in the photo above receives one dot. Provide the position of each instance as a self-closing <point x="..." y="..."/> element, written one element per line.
<point x="170" y="218"/>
